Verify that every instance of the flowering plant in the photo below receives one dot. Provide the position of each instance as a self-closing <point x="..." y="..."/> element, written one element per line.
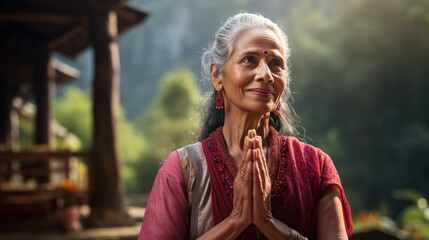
<point x="68" y="193"/>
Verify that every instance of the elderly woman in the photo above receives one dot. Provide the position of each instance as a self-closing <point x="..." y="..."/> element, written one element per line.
<point x="248" y="178"/>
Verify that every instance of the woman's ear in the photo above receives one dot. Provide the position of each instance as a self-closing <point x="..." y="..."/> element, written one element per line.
<point x="216" y="77"/>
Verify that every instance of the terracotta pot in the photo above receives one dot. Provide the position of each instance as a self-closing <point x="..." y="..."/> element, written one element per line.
<point x="70" y="219"/>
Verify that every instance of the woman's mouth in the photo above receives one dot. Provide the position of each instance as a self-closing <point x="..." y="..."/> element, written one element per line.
<point x="262" y="92"/>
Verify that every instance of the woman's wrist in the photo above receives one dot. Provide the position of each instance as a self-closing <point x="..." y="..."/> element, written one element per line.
<point x="265" y="222"/>
<point x="229" y="228"/>
<point x="275" y="229"/>
<point x="237" y="225"/>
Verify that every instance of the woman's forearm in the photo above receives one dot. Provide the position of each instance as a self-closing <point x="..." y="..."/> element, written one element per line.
<point x="330" y="221"/>
<point x="229" y="228"/>
<point x="275" y="229"/>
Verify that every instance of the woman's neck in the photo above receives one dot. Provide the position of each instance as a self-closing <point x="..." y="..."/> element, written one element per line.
<point x="236" y="128"/>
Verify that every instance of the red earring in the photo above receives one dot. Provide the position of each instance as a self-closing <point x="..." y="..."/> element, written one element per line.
<point x="277" y="111"/>
<point x="219" y="100"/>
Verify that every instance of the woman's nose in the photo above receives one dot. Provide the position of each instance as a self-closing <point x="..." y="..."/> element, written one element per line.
<point x="264" y="73"/>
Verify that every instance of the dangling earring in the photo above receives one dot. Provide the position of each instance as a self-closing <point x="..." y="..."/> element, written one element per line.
<point x="277" y="111"/>
<point x="219" y="101"/>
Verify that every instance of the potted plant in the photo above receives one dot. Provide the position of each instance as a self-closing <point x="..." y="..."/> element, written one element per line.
<point x="69" y="211"/>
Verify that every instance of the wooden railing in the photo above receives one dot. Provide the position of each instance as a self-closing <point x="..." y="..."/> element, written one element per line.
<point x="40" y="198"/>
<point x="6" y="159"/>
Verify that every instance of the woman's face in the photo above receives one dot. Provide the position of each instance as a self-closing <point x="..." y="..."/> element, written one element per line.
<point x="254" y="77"/>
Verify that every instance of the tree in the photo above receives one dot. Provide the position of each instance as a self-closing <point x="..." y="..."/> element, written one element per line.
<point x="362" y="86"/>
<point x="74" y="111"/>
<point x="169" y="124"/>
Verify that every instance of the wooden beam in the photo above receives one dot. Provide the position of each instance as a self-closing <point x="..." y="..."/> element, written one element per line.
<point x="105" y="168"/>
<point x="36" y="172"/>
<point x="129" y="16"/>
<point x="64" y="72"/>
<point x="5" y="107"/>
<point x="44" y="96"/>
<point x="44" y="85"/>
<point x="115" y="5"/>
<point x="40" y="17"/>
<point x="5" y="121"/>
<point x="81" y="27"/>
<point x="33" y="156"/>
<point x="106" y="192"/>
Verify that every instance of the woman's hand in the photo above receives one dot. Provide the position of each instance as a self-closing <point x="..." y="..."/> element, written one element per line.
<point x="261" y="189"/>
<point x="242" y="203"/>
<point x="241" y="215"/>
<point x="261" y="193"/>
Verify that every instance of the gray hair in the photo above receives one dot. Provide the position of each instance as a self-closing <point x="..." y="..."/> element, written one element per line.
<point x="221" y="49"/>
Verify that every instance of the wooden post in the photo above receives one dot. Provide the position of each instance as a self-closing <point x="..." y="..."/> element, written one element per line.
<point x="44" y="87"/>
<point x="5" y="107"/>
<point x="106" y="193"/>
<point x="5" y="126"/>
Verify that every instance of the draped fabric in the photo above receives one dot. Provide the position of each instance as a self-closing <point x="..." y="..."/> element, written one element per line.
<point x="299" y="174"/>
<point x="221" y="199"/>
<point x="167" y="211"/>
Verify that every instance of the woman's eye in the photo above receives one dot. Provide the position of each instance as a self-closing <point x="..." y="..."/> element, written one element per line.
<point x="277" y="63"/>
<point x="249" y="59"/>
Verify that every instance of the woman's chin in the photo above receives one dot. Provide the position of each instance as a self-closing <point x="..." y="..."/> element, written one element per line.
<point x="263" y="110"/>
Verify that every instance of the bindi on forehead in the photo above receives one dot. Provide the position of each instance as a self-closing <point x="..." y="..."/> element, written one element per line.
<point x="258" y="41"/>
<point x="266" y="53"/>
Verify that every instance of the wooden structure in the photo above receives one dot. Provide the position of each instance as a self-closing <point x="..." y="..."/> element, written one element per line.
<point x="32" y="29"/>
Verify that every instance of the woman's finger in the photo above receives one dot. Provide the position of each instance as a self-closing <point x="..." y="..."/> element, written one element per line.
<point x="245" y="149"/>
<point x="248" y="176"/>
<point x="262" y="171"/>
<point x="243" y="170"/>
<point x="257" y="189"/>
<point x="244" y="191"/>
<point x="242" y="202"/>
<point x="262" y="158"/>
<point x="263" y="161"/>
<point x="251" y="133"/>
<point x="257" y="164"/>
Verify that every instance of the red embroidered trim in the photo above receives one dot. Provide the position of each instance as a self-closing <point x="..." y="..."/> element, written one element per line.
<point x="221" y="167"/>
<point x="280" y="179"/>
<point x="227" y="168"/>
<point x="218" y="136"/>
<point x="274" y="152"/>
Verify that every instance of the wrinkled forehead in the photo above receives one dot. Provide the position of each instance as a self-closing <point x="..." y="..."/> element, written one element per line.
<point x="264" y="38"/>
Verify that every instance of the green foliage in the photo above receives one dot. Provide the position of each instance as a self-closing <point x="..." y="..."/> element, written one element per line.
<point x="361" y="83"/>
<point x="413" y="221"/>
<point x="70" y="142"/>
<point x="74" y="111"/>
<point x="169" y="123"/>
<point x="409" y="195"/>
<point x="132" y="147"/>
<point x="26" y="133"/>
<point x="177" y="94"/>
<point x="415" y="217"/>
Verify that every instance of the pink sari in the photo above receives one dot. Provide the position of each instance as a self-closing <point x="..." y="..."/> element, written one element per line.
<point x="299" y="175"/>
